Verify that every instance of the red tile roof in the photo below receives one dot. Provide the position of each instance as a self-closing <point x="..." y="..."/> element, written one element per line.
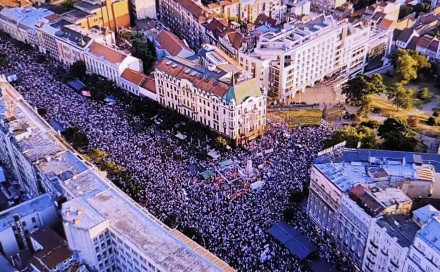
<point x="236" y="39"/>
<point x="385" y="24"/>
<point x="133" y="76"/>
<point x="169" y="42"/>
<point x="106" y="52"/>
<point x="52" y="18"/>
<point x="149" y="84"/>
<point x="196" y="10"/>
<point x="203" y="82"/>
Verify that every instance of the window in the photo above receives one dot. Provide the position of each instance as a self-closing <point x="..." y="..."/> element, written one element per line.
<point x="34" y="220"/>
<point x="411" y="269"/>
<point x="416" y="258"/>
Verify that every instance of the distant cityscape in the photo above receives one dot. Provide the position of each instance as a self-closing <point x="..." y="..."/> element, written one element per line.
<point x="243" y="135"/>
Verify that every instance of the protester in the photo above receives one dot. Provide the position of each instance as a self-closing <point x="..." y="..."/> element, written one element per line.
<point x="233" y="228"/>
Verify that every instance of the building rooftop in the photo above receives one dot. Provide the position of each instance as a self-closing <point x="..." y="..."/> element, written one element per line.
<point x="401" y="227"/>
<point x="171" y="43"/>
<point x="425" y="213"/>
<point x="133" y="76"/>
<point x="24" y="17"/>
<point x="217" y="80"/>
<point x="87" y="6"/>
<point x="430" y="233"/>
<point x="191" y="6"/>
<point x="95" y="201"/>
<point x="31" y="206"/>
<point x="75" y="15"/>
<point x="107" y="53"/>
<point x="53" y="252"/>
<point x="361" y="166"/>
<point x="34" y="136"/>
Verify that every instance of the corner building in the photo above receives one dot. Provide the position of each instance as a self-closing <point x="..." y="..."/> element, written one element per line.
<point x="216" y="97"/>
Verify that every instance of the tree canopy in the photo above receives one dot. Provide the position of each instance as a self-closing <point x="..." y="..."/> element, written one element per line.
<point x="76" y="137"/>
<point x="400" y="96"/>
<point x="141" y="48"/>
<point x="409" y="64"/>
<point x="358" y="90"/>
<point x="353" y="135"/>
<point x="78" y="69"/>
<point x="397" y="135"/>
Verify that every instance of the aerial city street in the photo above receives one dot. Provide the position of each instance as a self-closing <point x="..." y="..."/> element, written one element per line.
<point x="181" y="135"/>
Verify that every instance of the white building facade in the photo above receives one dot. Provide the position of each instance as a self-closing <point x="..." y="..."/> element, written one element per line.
<point x="305" y="53"/>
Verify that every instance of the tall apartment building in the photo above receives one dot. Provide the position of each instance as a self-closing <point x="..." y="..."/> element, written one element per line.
<point x="103" y="226"/>
<point x="389" y="240"/>
<point x="142" y="9"/>
<point x="424" y="254"/>
<point x="302" y="53"/>
<point x="185" y="18"/>
<point x="247" y="11"/>
<point x="215" y="97"/>
<point x="25" y="139"/>
<point x="100" y="13"/>
<point x="353" y="192"/>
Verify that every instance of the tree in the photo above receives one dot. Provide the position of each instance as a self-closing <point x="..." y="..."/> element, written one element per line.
<point x="144" y="50"/>
<point x="359" y="90"/>
<point x="405" y="11"/>
<point x="409" y="64"/>
<point x="373" y="124"/>
<point x="406" y="66"/>
<point x="397" y="135"/>
<point x="353" y="135"/>
<point x="220" y="143"/>
<point x="400" y="96"/>
<point x="97" y="155"/>
<point x="393" y="124"/>
<point x="77" y="138"/>
<point x="78" y="69"/>
<point x="68" y="5"/>
<point x="423" y="94"/>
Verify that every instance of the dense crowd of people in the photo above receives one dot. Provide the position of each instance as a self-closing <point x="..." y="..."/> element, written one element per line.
<point x="235" y="229"/>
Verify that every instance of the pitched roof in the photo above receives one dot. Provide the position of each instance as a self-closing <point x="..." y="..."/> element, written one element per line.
<point x="424" y="42"/>
<point x="262" y="19"/>
<point x="405" y="35"/>
<point x="433" y="46"/>
<point x="413" y="43"/>
<point x="169" y="42"/>
<point x="236" y="39"/>
<point x="106" y="52"/>
<point x="196" y="10"/>
<point x="216" y="27"/>
<point x="198" y="76"/>
<point x="427" y="18"/>
<point x="385" y="23"/>
<point x="149" y="84"/>
<point x="55" y="249"/>
<point x="133" y="76"/>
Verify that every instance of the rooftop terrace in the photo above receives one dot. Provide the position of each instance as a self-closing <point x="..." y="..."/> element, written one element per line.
<point x="348" y="167"/>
